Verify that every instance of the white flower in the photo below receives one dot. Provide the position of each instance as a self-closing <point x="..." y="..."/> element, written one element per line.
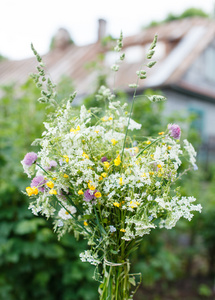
<point x="88" y="256"/>
<point x="134" y="125"/>
<point x="191" y="151"/>
<point x="112" y="228"/>
<point x="84" y="114"/>
<point x="65" y="214"/>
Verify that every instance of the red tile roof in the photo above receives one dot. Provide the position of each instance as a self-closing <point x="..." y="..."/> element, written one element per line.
<point x="184" y="41"/>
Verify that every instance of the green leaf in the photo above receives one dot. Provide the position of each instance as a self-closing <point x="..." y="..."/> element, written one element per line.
<point x="132" y="280"/>
<point x="113" y="251"/>
<point x="54" y="251"/>
<point x="5" y="228"/>
<point x="28" y="226"/>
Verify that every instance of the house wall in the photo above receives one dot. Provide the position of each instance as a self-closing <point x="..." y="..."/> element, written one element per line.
<point x="184" y="103"/>
<point x="202" y="71"/>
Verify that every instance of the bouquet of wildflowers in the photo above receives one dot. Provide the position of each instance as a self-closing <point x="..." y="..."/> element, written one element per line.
<point x="94" y="180"/>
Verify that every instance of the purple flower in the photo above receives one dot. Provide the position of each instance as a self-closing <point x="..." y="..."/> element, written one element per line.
<point x="39" y="183"/>
<point x="30" y="158"/>
<point x="104" y="158"/>
<point x="89" y="195"/>
<point x="52" y="164"/>
<point x="174" y="131"/>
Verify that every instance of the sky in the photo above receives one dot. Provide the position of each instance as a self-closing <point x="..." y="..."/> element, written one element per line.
<point x="23" y="22"/>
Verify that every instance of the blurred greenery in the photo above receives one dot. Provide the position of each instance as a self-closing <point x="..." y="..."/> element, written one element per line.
<point x="2" y="57"/>
<point x="33" y="263"/>
<point x="188" y="13"/>
<point x="29" y="250"/>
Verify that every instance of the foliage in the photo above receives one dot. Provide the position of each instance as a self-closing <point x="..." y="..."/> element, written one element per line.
<point x="188" y="13"/>
<point x="2" y="58"/>
<point x="29" y="250"/>
<point x="207" y="225"/>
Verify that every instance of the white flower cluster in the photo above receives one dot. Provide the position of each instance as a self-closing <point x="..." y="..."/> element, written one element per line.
<point x="88" y="256"/>
<point x="191" y="152"/>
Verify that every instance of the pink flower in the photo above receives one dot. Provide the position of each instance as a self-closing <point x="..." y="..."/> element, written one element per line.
<point x="38" y="182"/>
<point x="29" y="159"/>
<point x="104" y="158"/>
<point x="174" y="131"/>
<point x="52" y="165"/>
<point x="89" y="195"/>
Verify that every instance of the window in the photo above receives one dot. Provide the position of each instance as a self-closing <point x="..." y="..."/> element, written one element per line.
<point x="198" y="122"/>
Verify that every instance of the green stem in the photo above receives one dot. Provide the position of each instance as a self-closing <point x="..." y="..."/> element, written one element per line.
<point x="79" y="223"/>
<point x="116" y="285"/>
<point x="98" y="223"/>
<point x="42" y="168"/>
<point x="71" y="201"/>
<point x="126" y="133"/>
<point x="149" y="146"/>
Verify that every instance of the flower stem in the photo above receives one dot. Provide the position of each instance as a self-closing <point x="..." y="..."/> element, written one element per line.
<point x="149" y="146"/>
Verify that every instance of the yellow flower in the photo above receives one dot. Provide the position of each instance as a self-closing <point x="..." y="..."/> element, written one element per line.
<point x="91" y="187"/>
<point x="65" y="176"/>
<point x="50" y="184"/>
<point x="117" y="161"/>
<point x="136" y="149"/>
<point x="113" y="141"/>
<point x="104" y="119"/>
<point x="97" y="194"/>
<point x="54" y="178"/>
<point x="116" y="204"/>
<point x="75" y="130"/>
<point x="100" y="178"/>
<point x="85" y="155"/>
<point x="169" y="147"/>
<point x="53" y="192"/>
<point x="66" y="158"/>
<point x="80" y="192"/>
<point x="96" y="131"/>
<point x="143" y="175"/>
<point x="104" y="174"/>
<point x="110" y="118"/>
<point x="159" y="166"/>
<point x="121" y="181"/>
<point x="122" y="230"/>
<point x="148" y="142"/>
<point x="134" y="204"/>
<point x="85" y="223"/>
<point x="151" y="173"/>
<point x="31" y="191"/>
<point x="106" y="164"/>
<point x="161" y="133"/>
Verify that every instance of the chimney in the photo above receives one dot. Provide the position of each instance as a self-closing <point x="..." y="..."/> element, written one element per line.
<point x="102" y="29"/>
<point x="62" y="39"/>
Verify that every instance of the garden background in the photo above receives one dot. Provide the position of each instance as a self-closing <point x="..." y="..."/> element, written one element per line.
<point x="34" y="264"/>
